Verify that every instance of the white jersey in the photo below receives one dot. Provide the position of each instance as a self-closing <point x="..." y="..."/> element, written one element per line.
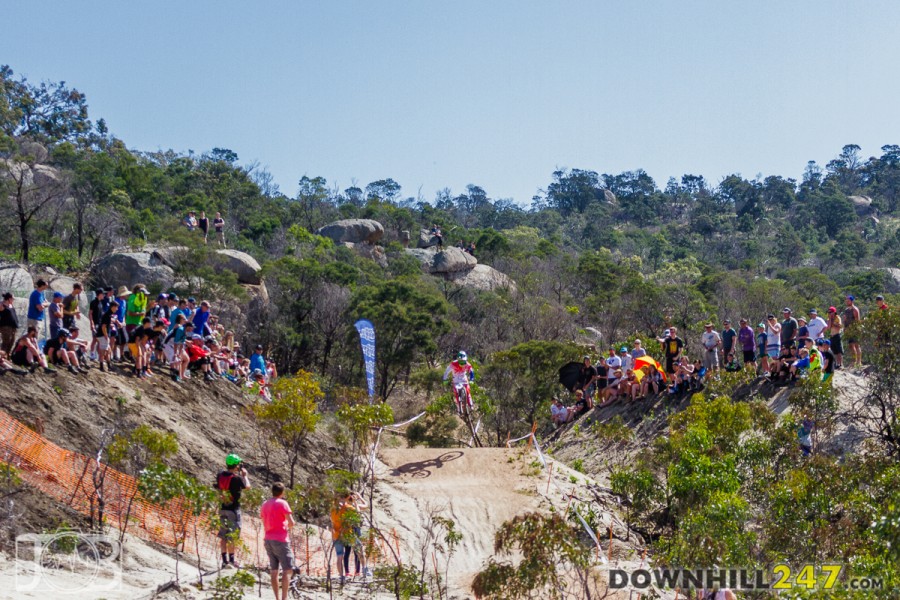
<point x="816" y="327"/>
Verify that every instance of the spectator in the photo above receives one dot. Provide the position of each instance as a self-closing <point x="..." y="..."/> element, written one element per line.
<point x="816" y="324"/>
<point x="106" y="333"/>
<point x="119" y="341"/>
<point x="6" y="365"/>
<point x="139" y="337"/>
<point x="835" y="331"/>
<point x="58" y="353"/>
<point x="191" y="221"/>
<point x="732" y="364"/>
<point x="773" y="337"/>
<point x="761" y="338"/>
<point x="800" y="367"/>
<point x="587" y="377"/>
<point x="219" y="226"/>
<point x="630" y="385"/>
<point x="880" y="303"/>
<point x="79" y="347"/>
<point x="346" y="519"/>
<point x="710" y="340"/>
<point x="637" y="351"/>
<point x="55" y="314"/>
<point x="201" y="320"/>
<point x="625" y="358"/>
<point x="203" y="224"/>
<point x="728" y="337"/>
<point x="198" y="356"/>
<point x="612" y="385"/>
<point x="851" y="318"/>
<point x="802" y="331"/>
<point x="95" y="313"/>
<point x="651" y="380"/>
<point x="136" y="308"/>
<point x="182" y="310"/>
<point x="788" y="329"/>
<point x="37" y="305"/>
<point x="613" y="362"/>
<point x="747" y="342"/>
<point x="70" y="306"/>
<point x="191" y="309"/>
<point x="672" y="347"/>
<point x="231" y="483"/>
<point x="559" y="414"/>
<point x="26" y="352"/>
<point x="828" y="358"/>
<point x="582" y="405"/>
<point x="9" y="323"/>
<point x="436" y="233"/>
<point x="257" y="360"/>
<point x="277" y="520"/>
<point x="160" y="311"/>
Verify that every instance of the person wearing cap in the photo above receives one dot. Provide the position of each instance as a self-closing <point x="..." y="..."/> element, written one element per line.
<point x="57" y="351"/>
<point x="851" y="318"/>
<point x="190" y="309"/>
<point x="95" y="313"/>
<point x="257" y="360"/>
<point x="231" y="483"/>
<point x="117" y="343"/>
<point x="55" y="314"/>
<point x="747" y="342"/>
<point x="625" y="357"/>
<point x="880" y="303"/>
<point x="710" y="340"/>
<point x="173" y="348"/>
<point x="728" y="336"/>
<point x="37" y="305"/>
<point x="9" y="323"/>
<point x="160" y="312"/>
<point x="198" y="356"/>
<point x="70" y="306"/>
<point x="815" y="324"/>
<point x="835" y="332"/>
<point x="201" y="320"/>
<point x="828" y="358"/>
<point x="788" y="328"/>
<point x="181" y="309"/>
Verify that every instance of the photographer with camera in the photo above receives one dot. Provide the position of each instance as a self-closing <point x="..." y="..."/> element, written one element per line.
<point x="230" y="483"/>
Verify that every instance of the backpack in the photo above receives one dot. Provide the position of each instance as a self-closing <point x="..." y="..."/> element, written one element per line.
<point x="223" y="484"/>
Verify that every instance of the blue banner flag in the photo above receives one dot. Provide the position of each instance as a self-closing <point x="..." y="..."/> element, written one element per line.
<point x="367" y="341"/>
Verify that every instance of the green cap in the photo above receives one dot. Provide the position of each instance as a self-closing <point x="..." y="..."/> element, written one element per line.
<point x="232" y="460"/>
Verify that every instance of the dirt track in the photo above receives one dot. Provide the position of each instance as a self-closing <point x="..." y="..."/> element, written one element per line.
<point x="478" y="488"/>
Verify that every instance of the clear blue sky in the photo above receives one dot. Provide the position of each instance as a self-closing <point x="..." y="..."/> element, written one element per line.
<point x="498" y="94"/>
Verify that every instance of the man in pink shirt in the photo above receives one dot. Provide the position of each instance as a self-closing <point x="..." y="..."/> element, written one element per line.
<point x="277" y="521"/>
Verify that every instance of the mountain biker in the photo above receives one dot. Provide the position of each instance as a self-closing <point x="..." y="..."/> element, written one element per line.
<point x="462" y="373"/>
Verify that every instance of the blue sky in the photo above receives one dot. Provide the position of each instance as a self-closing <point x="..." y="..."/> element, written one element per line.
<point x="494" y="93"/>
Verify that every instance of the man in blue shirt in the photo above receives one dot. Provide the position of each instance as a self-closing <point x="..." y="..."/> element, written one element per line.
<point x="36" y="305"/>
<point x="200" y="319"/>
<point x="257" y="361"/>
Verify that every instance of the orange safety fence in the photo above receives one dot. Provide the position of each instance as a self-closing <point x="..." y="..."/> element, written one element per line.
<point x="67" y="477"/>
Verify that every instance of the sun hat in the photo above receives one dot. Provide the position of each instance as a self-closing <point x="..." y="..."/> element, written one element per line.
<point x="123" y="291"/>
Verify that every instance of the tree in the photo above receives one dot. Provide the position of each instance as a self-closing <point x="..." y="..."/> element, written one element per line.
<point x="408" y="318"/>
<point x="291" y="415"/>
<point x="573" y="191"/>
<point x="878" y="410"/>
<point x="46" y="112"/>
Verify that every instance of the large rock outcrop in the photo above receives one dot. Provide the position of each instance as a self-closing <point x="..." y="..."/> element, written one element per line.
<point x="426" y="239"/>
<point x="15" y="279"/>
<point x="355" y="231"/>
<point x="132" y="268"/>
<point x="482" y="277"/>
<point x="244" y="265"/>
<point x="862" y="205"/>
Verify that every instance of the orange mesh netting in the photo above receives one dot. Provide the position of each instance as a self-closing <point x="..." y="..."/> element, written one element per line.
<point x="68" y="477"/>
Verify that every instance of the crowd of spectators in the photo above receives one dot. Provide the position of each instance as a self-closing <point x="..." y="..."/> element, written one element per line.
<point x="129" y="330"/>
<point x="781" y="351"/>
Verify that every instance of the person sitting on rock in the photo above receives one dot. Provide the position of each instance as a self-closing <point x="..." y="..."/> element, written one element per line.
<point x="26" y="352"/>
<point x="58" y="352"/>
<point x="198" y="356"/>
<point x="559" y="414"/>
<point x="78" y="346"/>
<point x="7" y="366"/>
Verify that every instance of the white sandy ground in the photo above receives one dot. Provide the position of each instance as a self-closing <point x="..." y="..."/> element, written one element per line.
<point x="478" y="488"/>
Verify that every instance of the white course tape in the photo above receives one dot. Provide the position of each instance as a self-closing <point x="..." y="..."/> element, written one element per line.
<point x="537" y="447"/>
<point x="590" y="533"/>
<point x="524" y="437"/>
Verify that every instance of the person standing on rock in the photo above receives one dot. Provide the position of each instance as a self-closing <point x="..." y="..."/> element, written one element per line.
<point x="9" y="323"/>
<point x="36" y="305"/>
<point x="851" y="318"/>
<point x="231" y="483"/>
<point x="203" y="224"/>
<point x="70" y="306"/>
<point x="278" y="519"/>
<point x="219" y="225"/>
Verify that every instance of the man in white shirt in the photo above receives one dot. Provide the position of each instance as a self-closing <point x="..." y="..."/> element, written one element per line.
<point x="613" y="362"/>
<point x="711" y="342"/>
<point x="816" y="324"/>
<point x="559" y="414"/>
